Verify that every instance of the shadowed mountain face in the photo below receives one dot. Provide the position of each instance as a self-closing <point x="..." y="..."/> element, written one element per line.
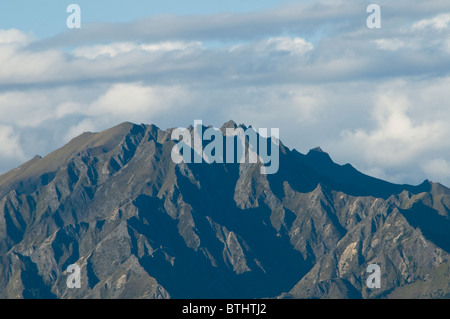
<point x="139" y="226"/>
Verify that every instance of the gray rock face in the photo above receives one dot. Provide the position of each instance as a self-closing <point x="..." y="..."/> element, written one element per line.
<point x="140" y="226"/>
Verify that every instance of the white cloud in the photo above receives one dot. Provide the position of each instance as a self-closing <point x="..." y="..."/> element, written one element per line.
<point x="113" y="49"/>
<point x="67" y="108"/>
<point x="110" y="50"/>
<point x="171" y="46"/>
<point x="18" y="65"/>
<point x="279" y="104"/>
<point x="86" y="125"/>
<point x="16" y="37"/>
<point x="134" y="100"/>
<point x="289" y="45"/>
<point x="389" y="44"/>
<point x="397" y="139"/>
<point x="267" y="47"/>
<point x="438" y="169"/>
<point x="439" y="23"/>
<point x="123" y="99"/>
<point x="25" y="109"/>
<point x="10" y="144"/>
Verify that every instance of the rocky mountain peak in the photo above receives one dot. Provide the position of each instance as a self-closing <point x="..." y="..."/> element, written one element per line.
<point x="140" y="226"/>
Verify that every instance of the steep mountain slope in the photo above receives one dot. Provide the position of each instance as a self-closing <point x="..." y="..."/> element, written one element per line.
<point x="140" y="226"/>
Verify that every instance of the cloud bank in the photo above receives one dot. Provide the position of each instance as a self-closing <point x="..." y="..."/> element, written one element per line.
<point x="377" y="98"/>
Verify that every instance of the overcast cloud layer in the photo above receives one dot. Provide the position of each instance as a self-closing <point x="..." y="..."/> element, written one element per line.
<point x="377" y="98"/>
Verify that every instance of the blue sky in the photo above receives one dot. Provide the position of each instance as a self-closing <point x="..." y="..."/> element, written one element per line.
<point x="376" y="98"/>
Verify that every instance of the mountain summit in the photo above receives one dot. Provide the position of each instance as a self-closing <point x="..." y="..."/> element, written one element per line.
<point x="140" y="226"/>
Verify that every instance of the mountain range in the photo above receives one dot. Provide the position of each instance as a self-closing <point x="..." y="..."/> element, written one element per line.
<point x="140" y="226"/>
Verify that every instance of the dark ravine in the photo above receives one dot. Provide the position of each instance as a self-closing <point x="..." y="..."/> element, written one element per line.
<point x="140" y="226"/>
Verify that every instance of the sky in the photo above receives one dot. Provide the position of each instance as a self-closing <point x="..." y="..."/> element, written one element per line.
<point x="377" y="98"/>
